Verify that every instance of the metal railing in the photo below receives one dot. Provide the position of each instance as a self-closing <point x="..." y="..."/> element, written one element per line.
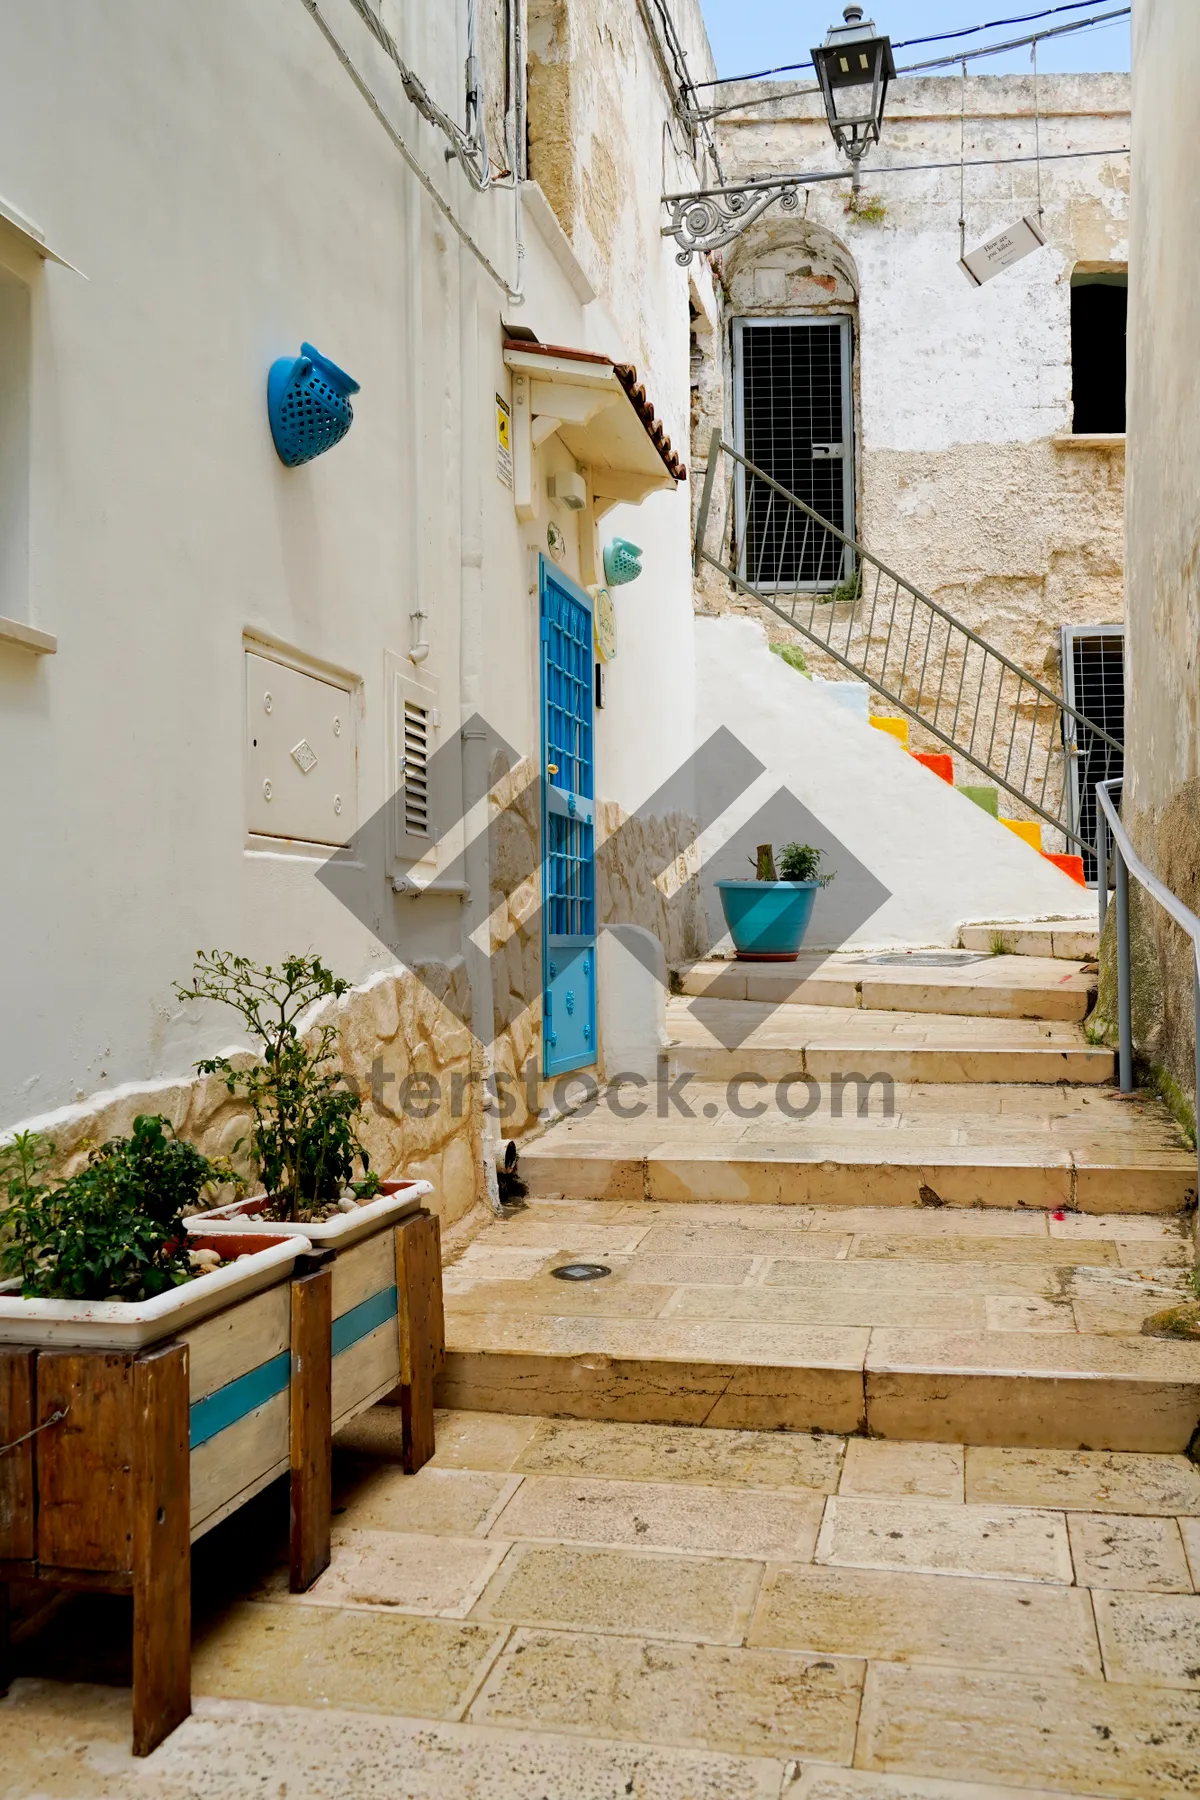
<point x="882" y="629"/>
<point x="1109" y="828"/>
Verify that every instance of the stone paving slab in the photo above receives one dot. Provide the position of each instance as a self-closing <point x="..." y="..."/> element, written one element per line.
<point x="929" y="1537"/>
<point x="1130" y="1742"/>
<point x="662" y="1516"/>
<point x="73" y="1743"/>
<point x="303" y="1655"/>
<point x="748" y="1701"/>
<point x="662" y="1452"/>
<point x="927" y="1618"/>
<point x="1099" y="1481"/>
<point x="1140" y="1554"/>
<point x="694" y="1599"/>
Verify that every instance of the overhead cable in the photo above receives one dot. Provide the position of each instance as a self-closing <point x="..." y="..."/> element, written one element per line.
<point x="805" y="177"/>
<point x="941" y="62"/>
<point x="513" y="292"/>
<point x="938" y="37"/>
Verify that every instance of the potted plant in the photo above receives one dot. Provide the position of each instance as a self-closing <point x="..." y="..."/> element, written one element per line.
<point x="146" y="1383"/>
<point x="768" y="916"/>
<point x="305" y="1145"/>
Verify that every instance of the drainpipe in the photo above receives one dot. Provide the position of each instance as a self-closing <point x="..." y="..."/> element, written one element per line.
<point x="475" y="772"/>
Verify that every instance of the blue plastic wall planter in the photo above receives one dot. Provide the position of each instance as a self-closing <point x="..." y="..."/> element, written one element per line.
<point x="621" y="562"/>
<point x="308" y="405"/>
<point x="767" y="920"/>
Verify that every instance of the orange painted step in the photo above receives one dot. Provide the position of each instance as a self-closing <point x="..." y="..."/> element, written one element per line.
<point x="940" y="761"/>
<point x="1070" y="865"/>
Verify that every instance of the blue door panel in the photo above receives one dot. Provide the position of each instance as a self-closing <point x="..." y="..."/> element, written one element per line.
<point x="568" y="829"/>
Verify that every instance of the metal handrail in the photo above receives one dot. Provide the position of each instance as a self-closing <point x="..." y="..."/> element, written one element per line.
<point x="1015" y="771"/>
<point x="1129" y="862"/>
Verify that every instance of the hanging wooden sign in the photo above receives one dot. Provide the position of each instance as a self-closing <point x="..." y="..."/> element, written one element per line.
<point x="1001" y="252"/>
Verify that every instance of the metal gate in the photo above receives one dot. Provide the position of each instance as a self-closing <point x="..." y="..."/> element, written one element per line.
<point x="793" y="419"/>
<point x="568" y="832"/>
<point x="1093" y="668"/>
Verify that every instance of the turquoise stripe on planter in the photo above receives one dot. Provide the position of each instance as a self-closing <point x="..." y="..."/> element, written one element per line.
<point x="367" y="1316"/>
<point x="226" y="1405"/>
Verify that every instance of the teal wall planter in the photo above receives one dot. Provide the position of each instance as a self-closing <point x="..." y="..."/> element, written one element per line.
<point x="308" y="404"/>
<point x="767" y="920"/>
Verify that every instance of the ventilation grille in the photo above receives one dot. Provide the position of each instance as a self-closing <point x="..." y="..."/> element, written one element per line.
<point x="416" y="769"/>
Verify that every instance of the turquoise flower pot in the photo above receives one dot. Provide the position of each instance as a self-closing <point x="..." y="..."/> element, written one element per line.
<point x="767" y="920"/>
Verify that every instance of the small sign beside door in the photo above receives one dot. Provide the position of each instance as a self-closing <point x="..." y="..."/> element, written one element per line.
<point x="504" y="461"/>
<point x="1001" y="252"/>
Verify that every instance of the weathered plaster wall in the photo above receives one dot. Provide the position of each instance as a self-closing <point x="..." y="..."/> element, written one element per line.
<point x="965" y="482"/>
<point x="1161" y="803"/>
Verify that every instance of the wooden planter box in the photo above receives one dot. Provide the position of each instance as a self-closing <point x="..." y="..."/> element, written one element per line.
<point x="387" y="1337"/>
<point x="127" y="1429"/>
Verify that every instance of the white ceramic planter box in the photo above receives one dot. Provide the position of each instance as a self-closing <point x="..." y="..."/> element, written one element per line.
<point x="365" y="1338"/>
<point x="337" y="1233"/>
<point x="133" y="1324"/>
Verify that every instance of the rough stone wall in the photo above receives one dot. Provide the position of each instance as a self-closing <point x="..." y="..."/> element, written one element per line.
<point x="647" y="873"/>
<point x="1161" y="801"/>
<point x="965" y="481"/>
<point x="402" y="1023"/>
<point x="516" y="935"/>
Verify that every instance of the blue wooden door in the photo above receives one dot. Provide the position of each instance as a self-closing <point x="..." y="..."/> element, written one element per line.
<point x="568" y="831"/>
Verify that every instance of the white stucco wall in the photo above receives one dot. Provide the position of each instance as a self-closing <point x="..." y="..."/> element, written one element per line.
<point x="941" y="858"/>
<point x="228" y="193"/>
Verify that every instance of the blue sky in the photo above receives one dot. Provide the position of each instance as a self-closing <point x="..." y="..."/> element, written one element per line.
<point x="748" y="35"/>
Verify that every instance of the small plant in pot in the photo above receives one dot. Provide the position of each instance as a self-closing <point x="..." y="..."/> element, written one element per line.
<point x="112" y="1231"/>
<point x="304" y="1140"/>
<point x="768" y="916"/>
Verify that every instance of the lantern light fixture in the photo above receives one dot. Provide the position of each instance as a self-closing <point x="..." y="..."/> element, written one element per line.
<point x="854" y="66"/>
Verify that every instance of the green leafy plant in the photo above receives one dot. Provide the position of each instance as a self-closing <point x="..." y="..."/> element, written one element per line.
<point x="1000" y="944"/>
<point x="368" y="1187"/>
<point x="848" y="591"/>
<point x="867" y="207"/>
<point x="304" y="1140"/>
<point x="114" y="1230"/>
<point x="797" y="862"/>
<point x="802" y="862"/>
<point x="794" y="657"/>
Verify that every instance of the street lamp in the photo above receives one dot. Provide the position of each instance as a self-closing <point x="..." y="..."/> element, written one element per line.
<point x="854" y="66"/>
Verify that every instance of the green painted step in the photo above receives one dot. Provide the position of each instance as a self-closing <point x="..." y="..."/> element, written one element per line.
<point x="987" y="797"/>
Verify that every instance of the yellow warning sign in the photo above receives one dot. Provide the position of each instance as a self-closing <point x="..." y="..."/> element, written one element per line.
<point x="504" y="462"/>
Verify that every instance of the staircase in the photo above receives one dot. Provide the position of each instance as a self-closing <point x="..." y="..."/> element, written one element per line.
<point x="879" y="628"/>
<point x="867" y="1196"/>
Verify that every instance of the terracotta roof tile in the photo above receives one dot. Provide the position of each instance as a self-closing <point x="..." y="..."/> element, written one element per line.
<point x="627" y="375"/>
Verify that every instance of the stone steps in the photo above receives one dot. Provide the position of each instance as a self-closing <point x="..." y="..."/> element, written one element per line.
<point x="1086" y="1150"/>
<point x="722" y="1039"/>
<point x="1009" y="987"/>
<point x="977" y="1328"/>
<point x="1076" y="940"/>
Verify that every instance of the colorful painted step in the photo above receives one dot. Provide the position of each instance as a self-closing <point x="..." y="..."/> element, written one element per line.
<point x="1029" y="829"/>
<point x="897" y="728"/>
<point x="1070" y="865"/>
<point x="941" y="763"/>
<point x="986" y="797"/>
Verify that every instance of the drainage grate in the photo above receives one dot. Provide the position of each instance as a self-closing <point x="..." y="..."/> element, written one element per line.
<point x="929" y="959"/>
<point x="581" y="1271"/>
